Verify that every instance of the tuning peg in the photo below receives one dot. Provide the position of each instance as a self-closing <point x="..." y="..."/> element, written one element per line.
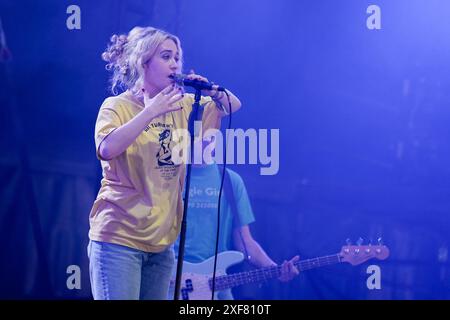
<point x="380" y="241"/>
<point x="348" y="241"/>
<point x="359" y="241"/>
<point x="369" y="246"/>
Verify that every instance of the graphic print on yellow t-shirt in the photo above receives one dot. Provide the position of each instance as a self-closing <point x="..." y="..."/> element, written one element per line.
<point x="164" y="155"/>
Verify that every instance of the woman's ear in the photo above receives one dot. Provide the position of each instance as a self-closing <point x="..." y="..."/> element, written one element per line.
<point x="145" y="63"/>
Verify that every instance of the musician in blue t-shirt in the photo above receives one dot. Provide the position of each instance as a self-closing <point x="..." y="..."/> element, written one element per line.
<point x="234" y="227"/>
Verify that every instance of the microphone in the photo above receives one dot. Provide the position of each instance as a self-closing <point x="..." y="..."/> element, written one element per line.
<point x="183" y="80"/>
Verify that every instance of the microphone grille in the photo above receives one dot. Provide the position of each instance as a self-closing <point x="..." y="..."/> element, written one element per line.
<point x="178" y="78"/>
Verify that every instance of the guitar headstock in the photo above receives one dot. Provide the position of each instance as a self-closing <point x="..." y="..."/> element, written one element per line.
<point x="357" y="254"/>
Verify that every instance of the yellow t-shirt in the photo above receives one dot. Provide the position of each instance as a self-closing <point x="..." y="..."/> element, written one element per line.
<point x="139" y="203"/>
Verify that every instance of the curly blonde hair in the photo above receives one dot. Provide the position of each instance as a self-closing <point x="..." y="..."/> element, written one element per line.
<point x="126" y="55"/>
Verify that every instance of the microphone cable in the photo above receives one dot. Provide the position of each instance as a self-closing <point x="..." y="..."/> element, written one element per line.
<point x="213" y="282"/>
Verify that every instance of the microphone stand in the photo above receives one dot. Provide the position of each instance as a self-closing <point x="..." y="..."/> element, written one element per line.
<point x="192" y="118"/>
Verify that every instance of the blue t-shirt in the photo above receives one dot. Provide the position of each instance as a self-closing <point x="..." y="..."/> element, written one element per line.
<point x="202" y="213"/>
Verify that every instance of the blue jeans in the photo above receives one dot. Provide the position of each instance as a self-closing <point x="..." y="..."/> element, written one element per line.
<point x="122" y="273"/>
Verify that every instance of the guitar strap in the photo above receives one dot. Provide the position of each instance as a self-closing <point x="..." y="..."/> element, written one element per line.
<point x="231" y="198"/>
<point x="229" y="194"/>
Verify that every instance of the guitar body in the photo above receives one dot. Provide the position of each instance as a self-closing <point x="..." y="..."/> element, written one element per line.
<point x="196" y="276"/>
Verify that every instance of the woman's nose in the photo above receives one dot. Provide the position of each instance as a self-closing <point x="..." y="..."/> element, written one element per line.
<point x="173" y="63"/>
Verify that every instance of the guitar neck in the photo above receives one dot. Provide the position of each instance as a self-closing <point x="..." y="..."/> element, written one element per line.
<point x="263" y="274"/>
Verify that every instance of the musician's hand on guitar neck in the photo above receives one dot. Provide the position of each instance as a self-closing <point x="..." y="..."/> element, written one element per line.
<point x="288" y="270"/>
